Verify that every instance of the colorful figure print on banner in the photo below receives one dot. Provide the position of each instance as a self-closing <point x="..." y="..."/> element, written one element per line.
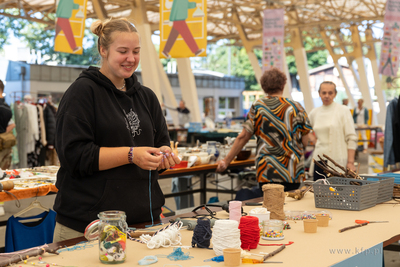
<point x="273" y="53"/>
<point x="186" y="19"/>
<point x="273" y="36"/>
<point x="70" y="26"/>
<point x="390" y="50"/>
<point x="389" y="61"/>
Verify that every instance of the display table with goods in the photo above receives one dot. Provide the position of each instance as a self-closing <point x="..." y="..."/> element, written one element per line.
<point x="202" y="171"/>
<point x="28" y="183"/>
<point x="40" y="181"/>
<point x="327" y="243"/>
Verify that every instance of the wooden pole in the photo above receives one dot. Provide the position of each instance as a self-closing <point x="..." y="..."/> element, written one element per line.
<point x="17" y="257"/>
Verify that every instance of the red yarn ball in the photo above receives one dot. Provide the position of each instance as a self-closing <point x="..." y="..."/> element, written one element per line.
<point x="249" y="232"/>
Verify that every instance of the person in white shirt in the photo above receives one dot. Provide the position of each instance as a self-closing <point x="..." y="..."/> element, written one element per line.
<point x="361" y="117"/>
<point x="334" y="130"/>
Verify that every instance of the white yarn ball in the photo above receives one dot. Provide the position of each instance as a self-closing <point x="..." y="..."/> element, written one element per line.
<point x="226" y="234"/>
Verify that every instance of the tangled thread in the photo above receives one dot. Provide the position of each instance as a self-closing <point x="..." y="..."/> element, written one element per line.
<point x="179" y="255"/>
<point x="80" y="246"/>
<point x="164" y="238"/>
<point x="202" y="233"/>
<point x="148" y="260"/>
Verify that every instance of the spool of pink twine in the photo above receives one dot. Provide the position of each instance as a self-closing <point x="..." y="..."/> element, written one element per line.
<point x="235" y="210"/>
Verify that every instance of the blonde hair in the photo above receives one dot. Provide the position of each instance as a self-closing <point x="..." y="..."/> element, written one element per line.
<point x="105" y="29"/>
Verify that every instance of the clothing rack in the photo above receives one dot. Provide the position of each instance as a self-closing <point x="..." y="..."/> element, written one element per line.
<point x="14" y="97"/>
<point x="35" y="96"/>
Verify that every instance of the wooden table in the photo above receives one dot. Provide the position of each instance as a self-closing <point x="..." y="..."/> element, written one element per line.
<point x="202" y="172"/>
<point x="357" y="247"/>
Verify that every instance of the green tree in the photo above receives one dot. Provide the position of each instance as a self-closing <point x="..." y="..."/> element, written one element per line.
<point x="3" y="32"/>
<point x="314" y="59"/>
<point x="40" y="39"/>
<point x="239" y="64"/>
<point x="231" y="60"/>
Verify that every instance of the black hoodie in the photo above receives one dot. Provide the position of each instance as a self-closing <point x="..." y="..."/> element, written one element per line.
<point x="93" y="113"/>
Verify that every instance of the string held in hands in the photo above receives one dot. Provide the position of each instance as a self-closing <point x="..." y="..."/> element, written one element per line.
<point x="151" y="207"/>
<point x="202" y="233"/>
<point x="249" y="232"/>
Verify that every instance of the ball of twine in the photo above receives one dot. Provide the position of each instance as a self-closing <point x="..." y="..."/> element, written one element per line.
<point x="226" y="234"/>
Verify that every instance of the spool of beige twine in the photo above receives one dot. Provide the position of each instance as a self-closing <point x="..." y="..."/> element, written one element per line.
<point x="274" y="199"/>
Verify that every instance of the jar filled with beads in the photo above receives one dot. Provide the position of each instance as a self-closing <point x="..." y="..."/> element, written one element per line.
<point x="296" y="215"/>
<point x="112" y="236"/>
<point x="308" y="215"/>
<point x="273" y="230"/>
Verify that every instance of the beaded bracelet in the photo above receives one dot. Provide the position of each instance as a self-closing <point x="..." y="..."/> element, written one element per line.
<point x="130" y="155"/>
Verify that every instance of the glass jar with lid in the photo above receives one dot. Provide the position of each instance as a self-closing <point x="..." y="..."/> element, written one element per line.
<point x="111" y="230"/>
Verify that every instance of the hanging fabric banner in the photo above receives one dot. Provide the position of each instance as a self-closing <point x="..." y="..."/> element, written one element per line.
<point x="183" y="28"/>
<point x="273" y="37"/>
<point x="70" y="26"/>
<point x="389" y="61"/>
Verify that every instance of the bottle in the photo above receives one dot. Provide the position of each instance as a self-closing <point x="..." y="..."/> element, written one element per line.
<point x="228" y="119"/>
<point x="112" y="229"/>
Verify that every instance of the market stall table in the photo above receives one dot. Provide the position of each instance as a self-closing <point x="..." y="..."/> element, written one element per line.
<point x="36" y="184"/>
<point x="28" y="192"/>
<point x="28" y="183"/>
<point x="202" y="171"/>
<point x="357" y="247"/>
<point x="203" y="137"/>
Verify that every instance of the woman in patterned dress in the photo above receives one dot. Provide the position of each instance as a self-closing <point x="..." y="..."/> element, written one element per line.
<point x="281" y="127"/>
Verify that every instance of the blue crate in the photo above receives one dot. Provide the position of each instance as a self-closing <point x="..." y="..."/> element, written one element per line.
<point x="194" y="127"/>
<point x="396" y="176"/>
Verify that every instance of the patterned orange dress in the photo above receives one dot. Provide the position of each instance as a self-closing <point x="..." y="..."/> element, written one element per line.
<point x="279" y="125"/>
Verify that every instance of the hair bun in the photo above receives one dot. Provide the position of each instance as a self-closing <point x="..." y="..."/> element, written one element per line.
<point x="97" y="27"/>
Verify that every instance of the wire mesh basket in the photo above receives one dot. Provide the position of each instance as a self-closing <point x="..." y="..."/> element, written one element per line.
<point x="385" y="191"/>
<point x="342" y="193"/>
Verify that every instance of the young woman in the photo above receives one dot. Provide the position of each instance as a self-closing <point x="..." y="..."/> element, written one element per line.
<point x="111" y="138"/>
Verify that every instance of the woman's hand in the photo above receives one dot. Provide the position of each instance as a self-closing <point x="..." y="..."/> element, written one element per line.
<point x="350" y="165"/>
<point x="169" y="158"/>
<point x="222" y="165"/>
<point x="147" y="158"/>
